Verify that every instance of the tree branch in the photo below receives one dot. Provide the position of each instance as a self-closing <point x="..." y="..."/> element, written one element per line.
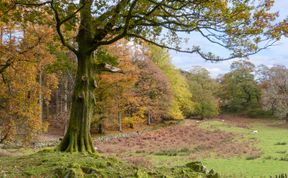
<point x="32" y="4"/>
<point x="125" y="28"/>
<point x="58" y="27"/>
<point x="196" y="50"/>
<point x="103" y="67"/>
<point x="71" y="15"/>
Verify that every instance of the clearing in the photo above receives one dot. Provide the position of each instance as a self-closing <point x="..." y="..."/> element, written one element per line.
<point x="233" y="146"/>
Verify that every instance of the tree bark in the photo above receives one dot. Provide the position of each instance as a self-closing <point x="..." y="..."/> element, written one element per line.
<point x="41" y="97"/>
<point x="149" y="118"/>
<point x="66" y="95"/>
<point x="78" y="137"/>
<point x="120" y="121"/>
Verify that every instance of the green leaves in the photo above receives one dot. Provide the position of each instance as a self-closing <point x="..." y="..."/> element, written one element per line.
<point x="239" y="89"/>
<point x="203" y="89"/>
<point x="102" y="56"/>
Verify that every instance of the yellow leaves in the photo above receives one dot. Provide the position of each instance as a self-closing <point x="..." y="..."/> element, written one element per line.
<point x="136" y="118"/>
<point x="8" y="131"/>
<point x="45" y="126"/>
<point x="280" y="29"/>
<point x="174" y="111"/>
<point x="26" y="56"/>
<point x="269" y="3"/>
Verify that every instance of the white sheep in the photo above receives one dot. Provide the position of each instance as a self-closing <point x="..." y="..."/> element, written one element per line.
<point x="255" y="131"/>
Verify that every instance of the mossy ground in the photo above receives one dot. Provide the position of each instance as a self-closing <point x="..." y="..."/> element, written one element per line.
<point x="48" y="163"/>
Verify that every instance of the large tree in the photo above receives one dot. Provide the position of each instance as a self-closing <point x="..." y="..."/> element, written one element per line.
<point x="274" y="83"/>
<point x="239" y="90"/>
<point x="240" y="26"/>
<point x="203" y="89"/>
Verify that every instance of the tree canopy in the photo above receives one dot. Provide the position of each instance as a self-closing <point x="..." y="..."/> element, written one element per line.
<point x="244" y="27"/>
<point x="204" y="90"/>
<point x="239" y="90"/>
<point x="274" y="84"/>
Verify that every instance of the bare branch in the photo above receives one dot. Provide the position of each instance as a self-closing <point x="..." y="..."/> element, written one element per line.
<point x="125" y="28"/>
<point x="197" y="50"/>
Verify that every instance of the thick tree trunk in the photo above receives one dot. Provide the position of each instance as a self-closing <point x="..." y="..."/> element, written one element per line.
<point x="78" y="137"/>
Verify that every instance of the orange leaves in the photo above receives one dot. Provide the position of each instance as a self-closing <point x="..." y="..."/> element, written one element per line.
<point x="25" y="57"/>
<point x="280" y="29"/>
<point x="117" y="86"/>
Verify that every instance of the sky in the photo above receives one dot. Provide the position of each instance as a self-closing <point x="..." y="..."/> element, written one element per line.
<point x="277" y="54"/>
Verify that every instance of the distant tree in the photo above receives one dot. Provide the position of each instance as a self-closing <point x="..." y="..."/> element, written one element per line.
<point x="181" y="103"/>
<point x="64" y="67"/>
<point x="153" y="90"/>
<point x="239" y="90"/>
<point x="274" y="84"/>
<point x="240" y="26"/>
<point x="115" y="91"/>
<point x="203" y="89"/>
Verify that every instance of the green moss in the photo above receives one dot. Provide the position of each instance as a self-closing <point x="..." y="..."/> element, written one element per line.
<point x="190" y="170"/>
<point x="48" y="163"/>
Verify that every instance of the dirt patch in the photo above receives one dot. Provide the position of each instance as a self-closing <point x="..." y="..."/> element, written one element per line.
<point x="237" y="121"/>
<point x="279" y="124"/>
<point x="6" y="153"/>
<point x="245" y="122"/>
<point x="187" y="136"/>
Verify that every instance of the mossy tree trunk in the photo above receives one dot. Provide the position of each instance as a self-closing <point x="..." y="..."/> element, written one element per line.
<point x="78" y="137"/>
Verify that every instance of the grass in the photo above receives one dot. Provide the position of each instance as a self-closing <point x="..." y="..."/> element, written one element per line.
<point x="272" y="161"/>
<point x="269" y="159"/>
<point x="239" y="167"/>
<point x="183" y="152"/>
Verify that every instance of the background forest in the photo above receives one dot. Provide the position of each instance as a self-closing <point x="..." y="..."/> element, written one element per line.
<point x="37" y="83"/>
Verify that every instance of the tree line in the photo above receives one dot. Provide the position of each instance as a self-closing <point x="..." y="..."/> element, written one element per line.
<point x="38" y="85"/>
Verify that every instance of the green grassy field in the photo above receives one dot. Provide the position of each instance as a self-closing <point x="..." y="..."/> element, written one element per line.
<point x="268" y="158"/>
<point x="272" y="142"/>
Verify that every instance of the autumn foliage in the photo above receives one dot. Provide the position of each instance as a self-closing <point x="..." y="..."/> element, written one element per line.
<point x="22" y="62"/>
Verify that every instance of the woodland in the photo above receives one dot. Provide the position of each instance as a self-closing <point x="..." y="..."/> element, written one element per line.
<point x="88" y="89"/>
